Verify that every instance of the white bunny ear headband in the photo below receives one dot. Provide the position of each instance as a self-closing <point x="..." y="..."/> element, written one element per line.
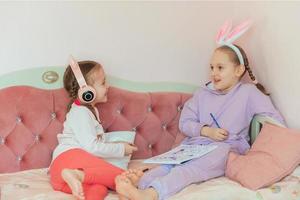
<point x="226" y="36"/>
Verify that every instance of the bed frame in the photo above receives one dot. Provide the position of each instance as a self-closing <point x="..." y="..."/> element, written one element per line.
<point x="165" y="100"/>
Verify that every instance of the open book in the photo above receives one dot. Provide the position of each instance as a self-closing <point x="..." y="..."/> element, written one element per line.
<point x="181" y="154"/>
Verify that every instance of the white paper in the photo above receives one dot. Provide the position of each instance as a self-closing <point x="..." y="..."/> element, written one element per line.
<point x="181" y="154"/>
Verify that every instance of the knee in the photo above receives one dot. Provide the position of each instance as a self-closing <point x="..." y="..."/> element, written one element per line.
<point x="222" y="147"/>
<point x="218" y="156"/>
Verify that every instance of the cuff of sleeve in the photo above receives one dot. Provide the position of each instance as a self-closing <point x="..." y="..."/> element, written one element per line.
<point x="122" y="150"/>
<point x="197" y="129"/>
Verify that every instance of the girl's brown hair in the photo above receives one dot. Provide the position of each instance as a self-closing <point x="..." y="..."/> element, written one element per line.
<point x="234" y="58"/>
<point x="71" y="85"/>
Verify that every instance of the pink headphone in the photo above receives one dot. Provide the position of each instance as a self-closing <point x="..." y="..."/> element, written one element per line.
<point x="86" y="93"/>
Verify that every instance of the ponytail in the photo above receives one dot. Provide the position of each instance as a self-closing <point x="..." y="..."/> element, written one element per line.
<point x="251" y="75"/>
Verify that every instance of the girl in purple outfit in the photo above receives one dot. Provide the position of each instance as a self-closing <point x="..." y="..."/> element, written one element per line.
<point x="218" y="114"/>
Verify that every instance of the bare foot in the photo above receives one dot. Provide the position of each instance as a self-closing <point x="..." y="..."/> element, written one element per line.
<point x="121" y="197"/>
<point x="134" y="175"/>
<point x="126" y="188"/>
<point x="74" y="178"/>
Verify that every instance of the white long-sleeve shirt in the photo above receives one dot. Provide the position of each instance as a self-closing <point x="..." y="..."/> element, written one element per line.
<point x="82" y="130"/>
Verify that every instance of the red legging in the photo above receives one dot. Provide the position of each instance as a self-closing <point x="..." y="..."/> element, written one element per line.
<point x="99" y="175"/>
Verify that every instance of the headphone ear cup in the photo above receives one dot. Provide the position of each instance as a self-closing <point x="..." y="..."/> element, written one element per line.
<point x="87" y="94"/>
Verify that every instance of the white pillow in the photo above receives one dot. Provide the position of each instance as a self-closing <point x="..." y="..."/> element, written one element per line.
<point x="120" y="136"/>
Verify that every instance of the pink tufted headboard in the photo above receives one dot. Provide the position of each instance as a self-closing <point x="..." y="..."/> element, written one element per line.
<point x="30" y="118"/>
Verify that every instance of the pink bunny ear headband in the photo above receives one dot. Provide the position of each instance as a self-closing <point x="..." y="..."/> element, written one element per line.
<point x="226" y="36"/>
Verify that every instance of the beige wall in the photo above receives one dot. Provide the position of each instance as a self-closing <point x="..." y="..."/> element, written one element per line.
<point x="155" y="41"/>
<point x="273" y="46"/>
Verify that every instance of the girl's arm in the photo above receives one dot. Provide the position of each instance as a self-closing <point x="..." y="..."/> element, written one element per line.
<point x="83" y="126"/>
<point x="259" y="103"/>
<point x="189" y="122"/>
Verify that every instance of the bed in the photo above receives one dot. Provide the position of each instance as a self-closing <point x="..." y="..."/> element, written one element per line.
<point x="32" y="112"/>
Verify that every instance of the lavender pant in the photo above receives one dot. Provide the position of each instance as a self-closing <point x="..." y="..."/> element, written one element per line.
<point x="170" y="179"/>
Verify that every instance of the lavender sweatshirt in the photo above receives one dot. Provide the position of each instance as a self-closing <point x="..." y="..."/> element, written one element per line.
<point x="233" y="110"/>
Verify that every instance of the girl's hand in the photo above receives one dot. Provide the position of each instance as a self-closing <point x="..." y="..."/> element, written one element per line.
<point x="129" y="148"/>
<point x="216" y="134"/>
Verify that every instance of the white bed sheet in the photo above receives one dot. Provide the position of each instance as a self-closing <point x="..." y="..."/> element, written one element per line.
<point x="34" y="185"/>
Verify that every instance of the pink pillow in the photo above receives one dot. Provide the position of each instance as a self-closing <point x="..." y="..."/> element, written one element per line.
<point x="274" y="154"/>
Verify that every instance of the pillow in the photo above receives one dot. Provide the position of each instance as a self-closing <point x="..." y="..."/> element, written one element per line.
<point x="120" y="136"/>
<point x="274" y="154"/>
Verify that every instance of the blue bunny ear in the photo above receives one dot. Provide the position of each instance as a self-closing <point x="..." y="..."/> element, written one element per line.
<point x="238" y="31"/>
<point x="223" y="32"/>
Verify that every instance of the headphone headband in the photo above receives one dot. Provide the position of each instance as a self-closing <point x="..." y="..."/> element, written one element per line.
<point x="77" y="72"/>
<point x="86" y="94"/>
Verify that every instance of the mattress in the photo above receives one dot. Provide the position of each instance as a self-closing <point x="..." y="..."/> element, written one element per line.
<point x="34" y="185"/>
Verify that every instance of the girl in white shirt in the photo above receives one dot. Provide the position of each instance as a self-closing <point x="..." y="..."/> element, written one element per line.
<point x="77" y="166"/>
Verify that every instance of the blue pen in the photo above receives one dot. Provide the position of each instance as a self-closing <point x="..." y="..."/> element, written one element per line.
<point x="212" y="116"/>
